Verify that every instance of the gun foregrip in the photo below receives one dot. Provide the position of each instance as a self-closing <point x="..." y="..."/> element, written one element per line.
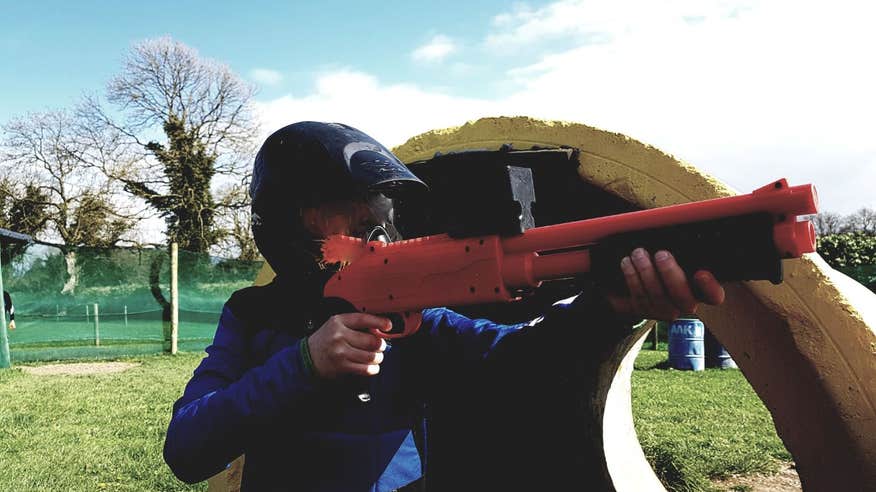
<point x="731" y="248"/>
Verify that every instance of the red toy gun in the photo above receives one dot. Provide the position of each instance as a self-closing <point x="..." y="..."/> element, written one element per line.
<point x="742" y="237"/>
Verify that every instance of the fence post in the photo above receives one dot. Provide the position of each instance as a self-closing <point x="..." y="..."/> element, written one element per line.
<point x="174" y="297"/>
<point x="656" y="330"/>
<point x="96" y="327"/>
<point x="5" y="359"/>
<point x="57" y="313"/>
<point x="87" y="318"/>
<point x="126" y="315"/>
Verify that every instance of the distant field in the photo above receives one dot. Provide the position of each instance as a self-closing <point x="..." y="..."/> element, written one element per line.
<point x="46" y="339"/>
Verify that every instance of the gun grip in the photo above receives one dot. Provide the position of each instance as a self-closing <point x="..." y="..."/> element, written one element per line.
<point x="403" y="324"/>
<point x="330" y="306"/>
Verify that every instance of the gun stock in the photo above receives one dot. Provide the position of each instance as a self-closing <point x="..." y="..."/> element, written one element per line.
<point x="742" y="237"/>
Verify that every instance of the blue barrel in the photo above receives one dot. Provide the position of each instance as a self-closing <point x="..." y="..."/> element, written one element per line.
<point x="686" y="344"/>
<point x="716" y="355"/>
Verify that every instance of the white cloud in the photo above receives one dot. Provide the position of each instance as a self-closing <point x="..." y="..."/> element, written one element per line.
<point x="775" y="90"/>
<point x="747" y="98"/>
<point x="436" y="50"/>
<point x="266" y="76"/>
<point x="596" y="21"/>
<point x="389" y="113"/>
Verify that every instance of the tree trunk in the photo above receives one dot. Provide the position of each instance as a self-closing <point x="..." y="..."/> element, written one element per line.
<point x="72" y="273"/>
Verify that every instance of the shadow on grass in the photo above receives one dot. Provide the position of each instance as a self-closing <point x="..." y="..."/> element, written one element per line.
<point x="675" y="473"/>
<point x="652" y="359"/>
<point x="664" y="364"/>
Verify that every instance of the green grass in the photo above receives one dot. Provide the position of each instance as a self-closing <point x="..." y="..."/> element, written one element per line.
<point x="695" y="426"/>
<point x="105" y="432"/>
<point x="98" y="432"/>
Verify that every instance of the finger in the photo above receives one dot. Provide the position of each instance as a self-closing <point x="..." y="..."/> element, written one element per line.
<point x="363" y="356"/>
<point x="713" y="292"/>
<point x="676" y="283"/>
<point x="654" y="290"/>
<point x="364" y="321"/>
<point x="362" y="369"/>
<point x="638" y="299"/>
<point x="364" y="341"/>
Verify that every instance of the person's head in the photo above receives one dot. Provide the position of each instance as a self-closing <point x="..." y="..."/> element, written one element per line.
<point x="313" y="179"/>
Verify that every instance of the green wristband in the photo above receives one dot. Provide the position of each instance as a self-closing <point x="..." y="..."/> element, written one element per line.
<point x="304" y="348"/>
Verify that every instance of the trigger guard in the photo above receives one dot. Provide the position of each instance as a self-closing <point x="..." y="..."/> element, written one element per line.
<point x="410" y="324"/>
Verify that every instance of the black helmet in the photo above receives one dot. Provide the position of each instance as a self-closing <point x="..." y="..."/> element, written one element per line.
<point x="308" y="163"/>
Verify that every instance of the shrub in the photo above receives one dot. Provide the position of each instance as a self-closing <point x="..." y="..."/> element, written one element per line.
<point x="853" y="253"/>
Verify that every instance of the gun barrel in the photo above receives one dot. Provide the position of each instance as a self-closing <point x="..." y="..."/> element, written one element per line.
<point x="783" y="202"/>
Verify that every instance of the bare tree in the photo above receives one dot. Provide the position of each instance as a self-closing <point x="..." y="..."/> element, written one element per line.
<point x="827" y="223"/>
<point x="204" y="112"/>
<point x="864" y="220"/>
<point x="42" y="158"/>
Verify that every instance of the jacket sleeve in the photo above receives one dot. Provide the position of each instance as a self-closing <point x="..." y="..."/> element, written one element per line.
<point x="226" y="398"/>
<point x="458" y="337"/>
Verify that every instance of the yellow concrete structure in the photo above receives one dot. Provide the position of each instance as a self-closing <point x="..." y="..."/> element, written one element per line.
<point x="807" y="346"/>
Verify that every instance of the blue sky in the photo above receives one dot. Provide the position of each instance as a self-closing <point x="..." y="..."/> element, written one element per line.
<point x="53" y="51"/>
<point x="746" y="90"/>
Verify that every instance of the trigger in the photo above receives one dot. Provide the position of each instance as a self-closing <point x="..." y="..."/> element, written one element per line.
<point x="398" y="324"/>
<point x="412" y="322"/>
<point x="403" y="325"/>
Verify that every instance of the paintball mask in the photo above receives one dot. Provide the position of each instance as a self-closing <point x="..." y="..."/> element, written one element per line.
<point x="311" y="179"/>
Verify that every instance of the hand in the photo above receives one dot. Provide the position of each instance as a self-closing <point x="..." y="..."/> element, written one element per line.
<point x="347" y="344"/>
<point x="12" y="324"/>
<point x="658" y="288"/>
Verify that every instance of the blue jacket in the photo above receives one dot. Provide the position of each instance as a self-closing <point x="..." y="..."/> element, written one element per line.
<point x="252" y="395"/>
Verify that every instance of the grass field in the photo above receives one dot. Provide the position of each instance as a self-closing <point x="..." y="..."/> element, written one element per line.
<point x="105" y="432"/>
<point x="695" y="426"/>
<point x="41" y="339"/>
<point x="31" y="332"/>
<point x="87" y="433"/>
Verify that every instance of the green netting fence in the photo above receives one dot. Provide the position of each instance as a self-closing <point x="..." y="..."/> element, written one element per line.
<point x="97" y="303"/>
